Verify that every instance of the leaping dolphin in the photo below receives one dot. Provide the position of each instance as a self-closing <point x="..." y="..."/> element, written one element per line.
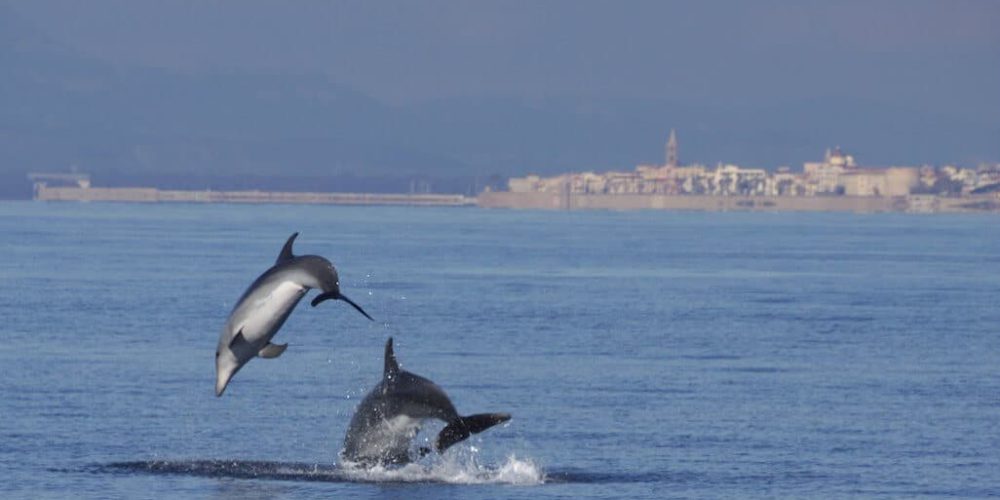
<point x="391" y="414"/>
<point x="265" y="306"/>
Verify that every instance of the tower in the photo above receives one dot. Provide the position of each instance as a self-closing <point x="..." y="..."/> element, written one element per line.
<point x="672" y="149"/>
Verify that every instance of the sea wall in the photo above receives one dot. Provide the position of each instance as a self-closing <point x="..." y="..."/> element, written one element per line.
<point x="153" y="195"/>
<point x="864" y="204"/>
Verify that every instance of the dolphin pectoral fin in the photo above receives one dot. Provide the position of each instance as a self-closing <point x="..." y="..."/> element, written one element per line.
<point x="237" y="341"/>
<point x="286" y="251"/>
<point x="351" y="302"/>
<point x="271" y="351"/>
<point x="463" y="427"/>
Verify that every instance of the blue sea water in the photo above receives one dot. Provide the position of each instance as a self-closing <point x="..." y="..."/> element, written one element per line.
<point x="642" y="354"/>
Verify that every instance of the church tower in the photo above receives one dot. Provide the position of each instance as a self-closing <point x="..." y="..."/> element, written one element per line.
<point x="672" y="150"/>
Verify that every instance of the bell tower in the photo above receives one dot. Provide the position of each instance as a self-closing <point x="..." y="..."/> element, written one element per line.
<point x="672" y="149"/>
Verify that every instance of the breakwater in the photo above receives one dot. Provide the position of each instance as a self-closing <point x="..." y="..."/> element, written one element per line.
<point x="154" y="195"/>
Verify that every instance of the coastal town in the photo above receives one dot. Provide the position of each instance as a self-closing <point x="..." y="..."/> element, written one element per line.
<point x="838" y="182"/>
<point x="837" y="174"/>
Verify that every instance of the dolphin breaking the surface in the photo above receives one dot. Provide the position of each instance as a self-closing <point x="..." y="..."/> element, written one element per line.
<point x="265" y="306"/>
<point x="390" y="416"/>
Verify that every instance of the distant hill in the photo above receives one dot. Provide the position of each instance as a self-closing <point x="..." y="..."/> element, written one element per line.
<point x="61" y="109"/>
<point x="135" y="124"/>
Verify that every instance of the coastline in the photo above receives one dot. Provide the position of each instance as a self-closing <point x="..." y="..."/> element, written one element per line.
<point x="710" y="203"/>
<point x="544" y="200"/>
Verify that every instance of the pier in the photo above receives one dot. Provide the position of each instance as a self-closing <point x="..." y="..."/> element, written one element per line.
<point x="44" y="192"/>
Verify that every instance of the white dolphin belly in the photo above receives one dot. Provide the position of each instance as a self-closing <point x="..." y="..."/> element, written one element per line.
<point x="388" y="438"/>
<point x="265" y="313"/>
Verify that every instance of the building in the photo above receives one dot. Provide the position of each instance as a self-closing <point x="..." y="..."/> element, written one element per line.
<point x="672" y="159"/>
<point x="824" y="176"/>
<point x="894" y="181"/>
<point x="523" y="184"/>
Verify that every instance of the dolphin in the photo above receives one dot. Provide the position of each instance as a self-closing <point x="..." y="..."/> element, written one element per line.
<point x="390" y="416"/>
<point x="265" y="306"/>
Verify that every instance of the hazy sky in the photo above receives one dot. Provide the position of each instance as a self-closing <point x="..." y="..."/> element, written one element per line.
<point x="942" y="55"/>
<point x="472" y="88"/>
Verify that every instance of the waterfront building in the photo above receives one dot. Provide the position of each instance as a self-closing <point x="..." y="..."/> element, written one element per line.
<point x="523" y="184"/>
<point x="824" y="176"/>
<point x="786" y="183"/>
<point x="895" y="181"/>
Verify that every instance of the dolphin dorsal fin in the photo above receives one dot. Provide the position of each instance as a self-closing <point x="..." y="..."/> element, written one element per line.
<point x="286" y="251"/>
<point x="391" y="366"/>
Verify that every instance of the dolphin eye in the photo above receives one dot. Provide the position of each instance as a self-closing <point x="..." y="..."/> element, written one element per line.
<point x="216" y="354"/>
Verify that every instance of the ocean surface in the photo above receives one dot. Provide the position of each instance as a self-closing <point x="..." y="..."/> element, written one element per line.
<point x="642" y="354"/>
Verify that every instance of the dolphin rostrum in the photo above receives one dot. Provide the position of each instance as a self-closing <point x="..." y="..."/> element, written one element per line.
<point x="265" y="306"/>
<point x="391" y="414"/>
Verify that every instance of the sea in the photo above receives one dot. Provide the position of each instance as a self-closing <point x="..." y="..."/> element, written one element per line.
<point x="642" y="354"/>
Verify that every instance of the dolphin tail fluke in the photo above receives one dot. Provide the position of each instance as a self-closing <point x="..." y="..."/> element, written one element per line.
<point x="460" y="429"/>
<point x="351" y="302"/>
<point x="338" y="296"/>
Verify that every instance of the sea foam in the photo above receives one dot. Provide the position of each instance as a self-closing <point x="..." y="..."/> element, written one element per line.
<point x="457" y="468"/>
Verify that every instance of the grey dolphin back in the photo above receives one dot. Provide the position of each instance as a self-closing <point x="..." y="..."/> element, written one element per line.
<point x="463" y="427"/>
<point x="286" y="251"/>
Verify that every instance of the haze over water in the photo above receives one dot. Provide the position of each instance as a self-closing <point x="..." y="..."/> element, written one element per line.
<point x="642" y="354"/>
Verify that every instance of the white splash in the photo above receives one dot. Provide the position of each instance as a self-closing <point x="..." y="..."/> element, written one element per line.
<point x="453" y="469"/>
